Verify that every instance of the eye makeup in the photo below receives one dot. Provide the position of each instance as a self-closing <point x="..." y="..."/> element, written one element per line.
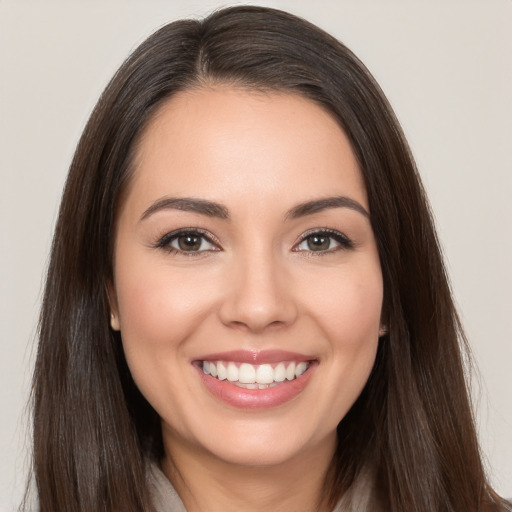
<point x="188" y="242"/>
<point x="323" y="241"/>
<point x="191" y="241"/>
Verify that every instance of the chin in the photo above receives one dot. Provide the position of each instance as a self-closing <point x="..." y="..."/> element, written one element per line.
<point x="256" y="455"/>
<point x="266" y="445"/>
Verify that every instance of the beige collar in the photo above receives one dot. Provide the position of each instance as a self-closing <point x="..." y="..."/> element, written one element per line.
<point x="359" y="498"/>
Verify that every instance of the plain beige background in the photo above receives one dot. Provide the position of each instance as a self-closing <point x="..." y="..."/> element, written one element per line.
<point x="446" y="68"/>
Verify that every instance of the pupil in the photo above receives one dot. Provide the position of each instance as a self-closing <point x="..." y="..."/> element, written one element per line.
<point x="318" y="243"/>
<point x="189" y="242"/>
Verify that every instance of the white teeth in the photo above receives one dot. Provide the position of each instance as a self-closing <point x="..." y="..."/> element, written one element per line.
<point x="264" y="374"/>
<point x="290" y="371"/>
<point x="280" y="372"/>
<point x="221" y="371"/>
<point x="246" y="374"/>
<point x="247" y="386"/>
<point x="232" y="372"/>
<point x="301" y="368"/>
<point x="254" y="376"/>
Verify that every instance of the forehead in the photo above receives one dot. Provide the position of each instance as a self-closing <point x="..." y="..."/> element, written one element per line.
<point x="222" y="142"/>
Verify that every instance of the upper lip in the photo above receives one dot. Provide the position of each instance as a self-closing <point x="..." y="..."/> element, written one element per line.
<point x="256" y="357"/>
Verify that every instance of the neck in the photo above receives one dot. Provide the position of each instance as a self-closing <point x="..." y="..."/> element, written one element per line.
<point x="205" y="482"/>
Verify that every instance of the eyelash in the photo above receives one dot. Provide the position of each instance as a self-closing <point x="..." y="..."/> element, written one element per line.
<point x="165" y="242"/>
<point x="344" y="242"/>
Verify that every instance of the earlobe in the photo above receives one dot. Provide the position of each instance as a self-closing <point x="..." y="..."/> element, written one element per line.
<point x="112" y="300"/>
<point x="384" y="323"/>
<point x="114" y="322"/>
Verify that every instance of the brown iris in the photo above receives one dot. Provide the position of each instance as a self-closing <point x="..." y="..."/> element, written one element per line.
<point x="318" y="242"/>
<point x="189" y="242"/>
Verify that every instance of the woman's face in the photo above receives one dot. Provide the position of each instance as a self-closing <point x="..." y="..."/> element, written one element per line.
<point x="248" y="288"/>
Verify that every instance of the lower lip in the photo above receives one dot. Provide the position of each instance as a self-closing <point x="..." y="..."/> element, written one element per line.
<point x="243" y="398"/>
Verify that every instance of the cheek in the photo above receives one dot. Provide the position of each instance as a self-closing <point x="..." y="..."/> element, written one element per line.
<point x="349" y="309"/>
<point x="144" y="306"/>
<point x="159" y="312"/>
<point x="158" y="308"/>
<point x="349" y="316"/>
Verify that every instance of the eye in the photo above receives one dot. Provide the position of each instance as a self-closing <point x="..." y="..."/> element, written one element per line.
<point x="187" y="241"/>
<point x="323" y="241"/>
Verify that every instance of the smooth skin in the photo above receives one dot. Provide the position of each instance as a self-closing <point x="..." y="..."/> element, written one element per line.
<point x="254" y="276"/>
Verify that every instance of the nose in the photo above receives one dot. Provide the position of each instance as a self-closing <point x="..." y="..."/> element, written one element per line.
<point x="258" y="295"/>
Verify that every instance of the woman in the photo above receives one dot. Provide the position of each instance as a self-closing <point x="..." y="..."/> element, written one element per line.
<point x="246" y="306"/>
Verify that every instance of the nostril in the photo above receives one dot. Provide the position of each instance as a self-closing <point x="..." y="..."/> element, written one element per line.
<point x="254" y="326"/>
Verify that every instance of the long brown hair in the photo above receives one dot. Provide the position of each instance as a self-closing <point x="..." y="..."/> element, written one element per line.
<point x="93" y="430"/>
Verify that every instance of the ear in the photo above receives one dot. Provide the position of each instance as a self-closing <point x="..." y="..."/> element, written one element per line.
<point x="114" y="322"/>
<point x="114" y="310"/>
<point x="384" y="322"/>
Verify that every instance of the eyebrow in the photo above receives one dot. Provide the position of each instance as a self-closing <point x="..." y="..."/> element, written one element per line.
<point x="319" y="205"/>
<point x="213" y="209"/>
<point x="188" y="204"/>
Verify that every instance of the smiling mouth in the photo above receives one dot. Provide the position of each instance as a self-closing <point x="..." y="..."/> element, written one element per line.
<point x="255" y="376"/>
<point x="252" y="381"/>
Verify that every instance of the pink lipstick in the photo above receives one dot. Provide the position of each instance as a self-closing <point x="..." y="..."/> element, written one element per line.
<point x="255" y="380"/>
